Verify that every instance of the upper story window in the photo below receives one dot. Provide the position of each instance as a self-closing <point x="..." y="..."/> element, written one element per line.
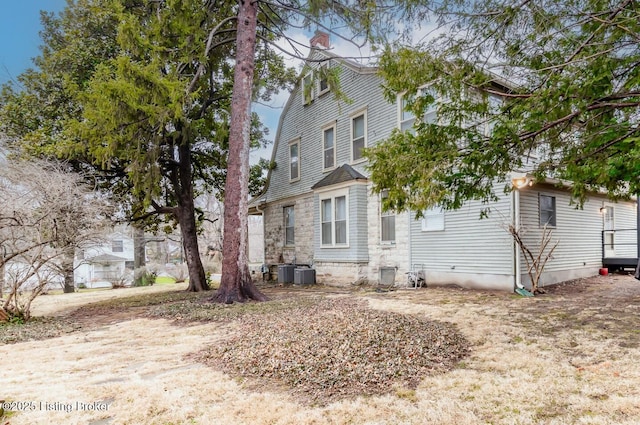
<point x="323" y="82"/>
<point x="358" y="135"/>
<point x="433" y="219"/>
<point x="117" y="245"/>
<point x="289" y="226"/>
<point x="407" y="118"/>
<point x="547" y="210"/>
<point x="494" y="103"/>
<point x="329" y="147"/>
<point x="294" y="160"/>
<point x="334" y="222"/>
<point x="307" y="89"/>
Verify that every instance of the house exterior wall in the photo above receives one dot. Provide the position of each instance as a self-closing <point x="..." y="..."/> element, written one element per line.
<point x="85" y="272"/>
<point x="471" y="251"/>
<point x="578" y="232"/>
<point x="276" y="251"/>
<point x="304" y="124"/>
<point x="386" y="254"/>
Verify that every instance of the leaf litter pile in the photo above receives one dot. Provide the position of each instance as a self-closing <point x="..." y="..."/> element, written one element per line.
<point x="338" y="348"/>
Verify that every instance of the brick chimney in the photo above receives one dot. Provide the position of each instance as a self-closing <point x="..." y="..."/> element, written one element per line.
<point x="320" y="40"/>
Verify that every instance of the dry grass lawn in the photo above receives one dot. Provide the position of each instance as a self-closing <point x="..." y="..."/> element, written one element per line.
<point x="571" y="356"/>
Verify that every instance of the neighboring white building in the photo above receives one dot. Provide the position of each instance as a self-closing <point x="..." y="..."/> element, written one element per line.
<point x="101" y="266"/>
<point x="318" y="208"/>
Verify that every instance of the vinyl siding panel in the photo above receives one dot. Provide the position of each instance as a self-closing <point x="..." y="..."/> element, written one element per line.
<point x="578" y="231"/>
<point x="468" y="244"/>
<point x="307" y="121"/>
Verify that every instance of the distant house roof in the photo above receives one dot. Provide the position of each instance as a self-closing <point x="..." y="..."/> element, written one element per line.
<point x="342" y="174"/>
<point x="106" y="258"/>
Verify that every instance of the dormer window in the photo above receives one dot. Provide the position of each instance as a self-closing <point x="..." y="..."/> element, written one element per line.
<point x="323" y="82"/>
<point x="307" y="89"/>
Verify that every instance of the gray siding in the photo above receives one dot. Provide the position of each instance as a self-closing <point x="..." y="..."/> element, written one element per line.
<point x="306" y="122"/>
<point x="468" y="244"/>
<point x="577" y="230"/>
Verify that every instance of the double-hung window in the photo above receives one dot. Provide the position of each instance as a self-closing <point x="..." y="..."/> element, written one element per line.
<point x="117" y="245"/>
<point x="407" y="118"/>
<point x="358" y="135"/>
<point x="323" y="82"/>
<point x="387" y="222"/>
<point x="547" y="210"/>
<point x="307" y="89"/>
<point x="333" y="218"/>
<point x="294" y="160"/>
<point x="289" y="226"/>
<point x="329" y="147"/>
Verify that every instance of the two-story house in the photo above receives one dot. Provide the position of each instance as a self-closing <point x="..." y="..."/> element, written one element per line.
<point x="107" y="264"/>
<point x="318" y="208"/>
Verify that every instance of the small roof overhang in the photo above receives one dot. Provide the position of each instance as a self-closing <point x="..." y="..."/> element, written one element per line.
<point x="344" y="173"/>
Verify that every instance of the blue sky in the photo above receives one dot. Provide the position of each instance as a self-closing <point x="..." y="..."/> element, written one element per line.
<point x="19" y="28"/>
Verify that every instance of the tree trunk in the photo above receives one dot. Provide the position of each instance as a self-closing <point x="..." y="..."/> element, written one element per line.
<point x="187" y="219"/>
<point x="139" y="257"/>
<point x="236" y="283"/>
<point x="67" y="272"/>
<point x="2" y="279"/>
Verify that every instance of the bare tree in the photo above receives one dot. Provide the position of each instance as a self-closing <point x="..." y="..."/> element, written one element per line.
<point x="46" y="213"/>
<point x="535" y="257"/>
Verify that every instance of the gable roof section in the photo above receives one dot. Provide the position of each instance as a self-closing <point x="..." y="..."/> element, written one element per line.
<point x="342" y="174"/>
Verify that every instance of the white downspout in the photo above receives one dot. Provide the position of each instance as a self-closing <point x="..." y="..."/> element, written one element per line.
<point x="516" y="251"/>
<point x="264" y="245"/>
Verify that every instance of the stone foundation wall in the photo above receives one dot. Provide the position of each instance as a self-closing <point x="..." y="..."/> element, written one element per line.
<point x="386" y="254"/>
<point x="340" y="274"/>
<point x="275" y="250"/>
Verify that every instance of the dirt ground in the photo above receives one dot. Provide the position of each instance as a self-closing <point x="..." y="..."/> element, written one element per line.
<point x="571" y="356"/>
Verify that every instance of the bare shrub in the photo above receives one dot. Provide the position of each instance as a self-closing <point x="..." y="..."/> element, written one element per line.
<point x="535" y="257"/>
<point x="46" y="213"/>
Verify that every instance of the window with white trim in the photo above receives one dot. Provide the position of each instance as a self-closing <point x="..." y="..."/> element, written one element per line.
<point x="387" y="222"/>
<point x="289" y="225"/>
<point x="358" y="135"/>
<point x="407" y="118"/>
<point x="607" y="215"/>
<point x="117" y="245"/>
<point x="547" y="206"/>
<point x="323" y="82"/>
<point x="307" y="89"/>
<point x="433" y="219"/>
<point x="329" y="147"/>
<point x="294" y="160"/>
<point x="333" y="219"/>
